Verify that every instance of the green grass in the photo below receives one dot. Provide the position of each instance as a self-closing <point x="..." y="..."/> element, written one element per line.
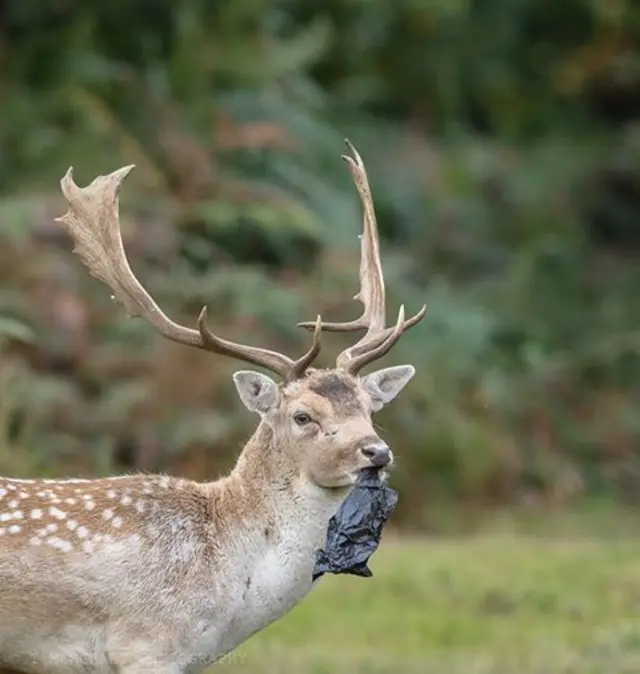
<point x="497" y="603"/>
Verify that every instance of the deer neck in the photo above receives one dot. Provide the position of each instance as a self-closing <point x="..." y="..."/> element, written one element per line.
<point x="276" y="522"/>
<point x="262" y="467"/>
<point x="270" y="491"/>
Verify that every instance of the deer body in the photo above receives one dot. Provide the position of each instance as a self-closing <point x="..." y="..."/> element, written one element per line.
<point x="163" y="574"/>
<point x="150" y="574"/>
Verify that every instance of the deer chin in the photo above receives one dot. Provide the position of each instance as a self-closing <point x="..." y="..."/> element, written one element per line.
<point x="384" y="475"/>
<point x="354" y="476"/>
<point x="338" y="486"/>
<point x="351" y="478"/>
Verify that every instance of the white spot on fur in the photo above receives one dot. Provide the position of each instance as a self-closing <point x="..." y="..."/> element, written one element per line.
<point x="58" y="514"/>
<point x="13" y="504"/>
<point x="36" y="514"/>
<point x="140" y="505"/>
<point x="34" y="540"/>
<point x="107" y="513"/>
<point x="51" y="527"/>
<point x="59" y="544"/>
<point x="17" y="515"/>
<point x="24" y="494"/>
<point x="87" y="546"/>
<point x="82" y="532"/>
<point x="15" y="529"/>
<point x="89" y="505"/>
<point x="70" y="501"/>
<point x="5" y="517"/>
<point x="111" y="493"/>
<point x="117" y="522"/>
<point x="72" y="525"/>
<point x="3" y="492"/>
<point x="126" y="500"/>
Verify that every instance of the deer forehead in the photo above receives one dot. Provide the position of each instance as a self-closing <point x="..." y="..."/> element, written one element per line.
<point x="329" y="394"/>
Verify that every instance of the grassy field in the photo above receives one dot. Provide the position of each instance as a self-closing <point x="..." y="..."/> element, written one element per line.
<point x="496" y="603"/>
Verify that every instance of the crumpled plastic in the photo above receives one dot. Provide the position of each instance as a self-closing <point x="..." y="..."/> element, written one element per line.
<point x="353" y="534"/>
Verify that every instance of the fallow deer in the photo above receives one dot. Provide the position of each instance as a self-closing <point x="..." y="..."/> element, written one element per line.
<point x="152" y="574"/>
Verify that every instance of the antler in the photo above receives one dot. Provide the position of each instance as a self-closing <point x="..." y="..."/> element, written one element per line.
<point x="377" y="340"/>
<point x="94" y="225"/>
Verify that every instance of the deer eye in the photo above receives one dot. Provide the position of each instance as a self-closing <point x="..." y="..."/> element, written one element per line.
<point x="301" y="418"/>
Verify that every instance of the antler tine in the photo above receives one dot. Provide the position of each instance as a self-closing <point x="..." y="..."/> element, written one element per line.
<point x="300" y="366"/>
<point x="93" y="222"/>
<point x="377" y="340"/>
<point x="372" y="292"/>
<point x="271" y="360"/>
<point x="289" y="371"/>
<point x="370" y="350"/>
<point x="354" y="363"/>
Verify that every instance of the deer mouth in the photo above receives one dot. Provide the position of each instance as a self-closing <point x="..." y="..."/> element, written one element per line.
<point x="383" y="474"/>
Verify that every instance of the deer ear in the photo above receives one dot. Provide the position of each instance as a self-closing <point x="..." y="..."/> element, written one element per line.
<point x="384" y="385"/>
<point x="258" y="392"/>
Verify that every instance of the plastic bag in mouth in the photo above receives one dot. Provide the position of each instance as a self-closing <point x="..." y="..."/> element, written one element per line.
<point x="353" y="534"/>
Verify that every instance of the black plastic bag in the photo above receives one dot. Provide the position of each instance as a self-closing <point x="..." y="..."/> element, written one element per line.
<point x="353" y="534"/>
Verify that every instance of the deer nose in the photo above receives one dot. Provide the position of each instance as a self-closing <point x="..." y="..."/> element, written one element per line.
<point x="379" y="454"/>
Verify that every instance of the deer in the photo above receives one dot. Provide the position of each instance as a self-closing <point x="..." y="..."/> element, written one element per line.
<point x="157" y="574"/>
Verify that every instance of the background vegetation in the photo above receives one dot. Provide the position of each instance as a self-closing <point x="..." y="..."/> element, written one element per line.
<point x="502" y="139"/>
<point x="569" y="607"/>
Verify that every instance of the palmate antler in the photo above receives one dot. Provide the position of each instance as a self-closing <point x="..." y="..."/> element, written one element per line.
<point x="378" y="339"/>
<point x="94" y="225"/>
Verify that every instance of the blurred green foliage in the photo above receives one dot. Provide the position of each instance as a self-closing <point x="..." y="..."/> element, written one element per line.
<point x="502" y="140"/>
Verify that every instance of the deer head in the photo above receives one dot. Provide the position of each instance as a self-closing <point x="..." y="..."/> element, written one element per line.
<point x="319" y="419"/>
